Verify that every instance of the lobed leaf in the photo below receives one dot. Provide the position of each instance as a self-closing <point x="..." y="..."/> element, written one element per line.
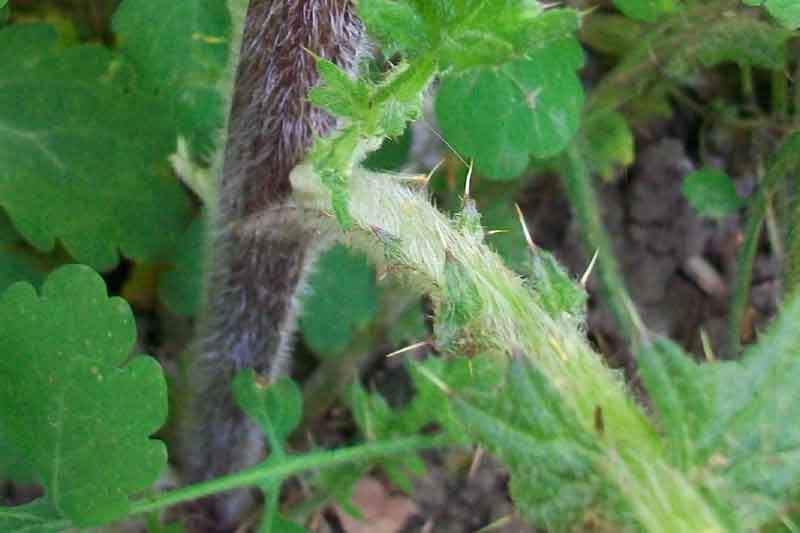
<point x="180" y="51"/>
<point x="276" y="407"/>
<point x="343" y="300"/>
<point x="181" y="287"/>
<point x="499" y="117"/>
<point x="83" y="159"/>
<point x="77" y="408"/>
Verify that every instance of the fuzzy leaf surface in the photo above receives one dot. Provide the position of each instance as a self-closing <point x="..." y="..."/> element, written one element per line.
<point x="76" y="407"/>
<point x="82" y="159"/>
<point x="741" y="40"/>
<point x="551" y="458"/>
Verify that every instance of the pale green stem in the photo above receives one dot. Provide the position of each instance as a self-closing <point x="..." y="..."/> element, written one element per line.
<point x="396" y="225"/>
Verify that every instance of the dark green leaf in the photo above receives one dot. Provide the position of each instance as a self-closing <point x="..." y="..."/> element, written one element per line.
<point x="180" y="50"/>
<point x="76" y="406"/>
<point x="342" y="302"/>
<point x="741" y="40"/>
<point x="81" y="160"/>
<point x="647" y="10"/>
<point x="180" y="288"/>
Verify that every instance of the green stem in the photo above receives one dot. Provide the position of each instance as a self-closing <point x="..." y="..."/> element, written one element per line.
<point x="780" y="102"/>
<point x="584" y="202"/>
<point x="786" y="161"/>
<point x="274" y="473"/>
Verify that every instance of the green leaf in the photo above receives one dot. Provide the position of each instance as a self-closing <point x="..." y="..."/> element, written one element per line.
<point x="392" y="154"/>
<point x="608" y="143"/>
<point x="741" y="40"/>
<point x="36" y="517"/>
<point x="500" y="117"/>
<point x="752" y="438"/>
<point x="338" y="93"/>
<point x="180" y="51"/>
<point x="558" y="293"/>
<point x="181" y="288"/>
<point x="76" y="406"/>
<point x="786" y="11"/>
<point x="17" y="264"/>
<point x="460" y="304"/>
<point x="527" y="425"/>
<point x="395" y="26"/>
<point x="8" y="235"/>
<point x="343" y="300"/>
<point x="611" y="34"/>
<point x="646" y="10"/>
<point x="711" y="193"/>
<point x="82" y="159"/>
<point x="276" y="407"/>
<point x="680" y="397"/>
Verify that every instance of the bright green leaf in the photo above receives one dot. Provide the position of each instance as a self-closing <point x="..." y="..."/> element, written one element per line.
<point x="528" y="107"/>
<point x="181" y="287"/>
<point x="81" y="160"/>
<point x="343" y="301"/>
<point x="338" y="93"/>
<point x="76" y="406"/>
<point x="786" y="11"/>
<point x="276" y="407"/>
<point x="711" y="193"/>
<point x="396" y="26"/>
<point x="180" y="50"/>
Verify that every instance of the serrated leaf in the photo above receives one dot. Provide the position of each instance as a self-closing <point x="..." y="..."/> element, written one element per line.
<point x="527" y="425"/>
<point x="76" y="406"/>
<point x="711" y="193"/>
<point x="343" y="300"/>
<point x="752" y="438"/>
<point x="180" y="50"/>
<point x="180" y="288"/>
<point x="396" y="26"/>
<point x="558" y="293"/>
<point x="608" y="143"/>
<point x="786" y="11"/>
<point x="646" y="10"/>
<point x="741" y="40"/>
<point x="276" y="407"/>
<point x="338" y="93"/>
<point x="500" y="117"/>
<point x="680" y="397"/>
<point x="80" y="160"/>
